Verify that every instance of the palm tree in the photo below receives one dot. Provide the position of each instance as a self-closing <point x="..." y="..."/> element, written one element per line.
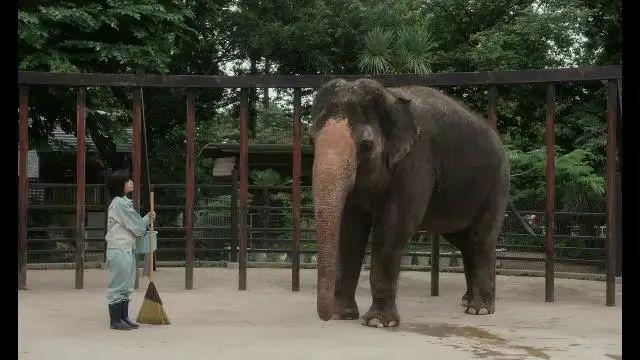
<point x="407" y="50"/>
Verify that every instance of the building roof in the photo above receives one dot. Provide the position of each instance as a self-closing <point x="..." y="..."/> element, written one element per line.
<point x="261" y="156"/>
<point x="63" y="141"/>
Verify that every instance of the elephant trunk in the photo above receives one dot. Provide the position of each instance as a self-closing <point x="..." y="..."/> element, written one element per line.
<point x="334" y="172"/>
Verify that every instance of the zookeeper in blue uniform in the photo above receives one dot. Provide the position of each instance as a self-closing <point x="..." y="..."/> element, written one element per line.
<point x="124" y="225"/>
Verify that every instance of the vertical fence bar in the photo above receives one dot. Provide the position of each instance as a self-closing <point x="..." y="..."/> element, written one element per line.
<point x="620" y="160"/>
<point x="81" y="161"/>
<point x="244" y="186"/>
<point x="493" y="121"/>
<point x="234" y="217"/>
<point x="551" y="195"/>
<point x="105" y="209"/>
<point x="435" y="265"/>
<point x="136" y="158"/>
<point x="612" y="110"/>
<point x="23" y="185"/>
<point x="493" y="106"/>
<point x="191" y="184"/>
<point x="295" y="190"/>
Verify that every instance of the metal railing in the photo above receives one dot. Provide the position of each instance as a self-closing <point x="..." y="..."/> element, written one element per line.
<point x="548" y="77"/>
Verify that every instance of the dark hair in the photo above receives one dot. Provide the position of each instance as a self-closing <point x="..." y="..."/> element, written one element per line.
<point x="116" y="182"/>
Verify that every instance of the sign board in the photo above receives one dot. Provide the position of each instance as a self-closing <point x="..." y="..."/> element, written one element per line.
<point x="33" y="164"/>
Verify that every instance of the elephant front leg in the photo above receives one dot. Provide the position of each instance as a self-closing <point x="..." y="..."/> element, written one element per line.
<point x="354" y="234"/>
<point x="391" y="234"/>
<point x="396" y="219"/>
<point x="385" y="267"/>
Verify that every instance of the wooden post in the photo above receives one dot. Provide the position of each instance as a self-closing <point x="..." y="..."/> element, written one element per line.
<point x="493" y="105"/>
<point x="136" y="159"/>
<point x="23" y="186"/>
<point x="435" y="265"/>
<point x="295" y="190"/>
<point x="81" y="161"/>
<point x="191" y="176"/>
<point x="244" y="186"/>
<point x="234" y="216"/>
<point x="551" y="195"/>
<point x="612" y="111"/>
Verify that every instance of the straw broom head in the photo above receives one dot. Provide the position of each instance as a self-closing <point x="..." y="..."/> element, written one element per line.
<point x="151" y="311"/>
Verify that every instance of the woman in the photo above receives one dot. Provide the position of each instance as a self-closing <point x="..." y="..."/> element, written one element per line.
<point x="125" y="224"/>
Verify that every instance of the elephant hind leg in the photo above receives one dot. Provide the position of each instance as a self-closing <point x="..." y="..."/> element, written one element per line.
<point x="354" y="234"/>
<point x="459" y="239"/>
<point x="478" y="246"/>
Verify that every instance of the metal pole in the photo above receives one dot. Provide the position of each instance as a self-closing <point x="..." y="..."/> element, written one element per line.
<point x="612" y="110"/>
<point x="105" y="196"/>
<point x="234" y="216"/>
<point x="435" y="265"/>
<point x="191" y="183"/>
<point x="81" y="160"/>
<point x="23" y="186"/>
<point x="550" y="206"/>
<point x="244" y="186"/>
<point x="295" y="190"/>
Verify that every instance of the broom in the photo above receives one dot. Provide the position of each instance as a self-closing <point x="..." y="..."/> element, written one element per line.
<point x="151" y="311"/>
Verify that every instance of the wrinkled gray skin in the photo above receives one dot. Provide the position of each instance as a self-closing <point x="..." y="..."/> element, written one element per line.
<point x="391" y="162"/>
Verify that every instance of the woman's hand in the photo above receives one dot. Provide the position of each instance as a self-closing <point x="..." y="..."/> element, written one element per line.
<point x="152" y="215"/>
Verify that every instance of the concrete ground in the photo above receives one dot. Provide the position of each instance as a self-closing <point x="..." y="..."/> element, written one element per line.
<point x="268" y="321"/>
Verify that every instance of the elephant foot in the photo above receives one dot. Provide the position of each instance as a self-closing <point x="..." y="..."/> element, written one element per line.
<point x="480" y="305"/>
<point x="466" y="298"/>
<point x="346" y="310"/>
<point x="377" y="316"/>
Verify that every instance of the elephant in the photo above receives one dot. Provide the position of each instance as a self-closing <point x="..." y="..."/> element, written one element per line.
<point x="387" y="163"/>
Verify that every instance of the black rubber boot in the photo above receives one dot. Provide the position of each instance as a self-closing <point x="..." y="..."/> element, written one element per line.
<point x="115" y="313"/>
<point x="125" y="315"/>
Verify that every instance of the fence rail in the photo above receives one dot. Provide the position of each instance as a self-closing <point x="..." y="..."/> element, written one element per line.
<point x="314" y="81"/>
<point x="611" y="75"/>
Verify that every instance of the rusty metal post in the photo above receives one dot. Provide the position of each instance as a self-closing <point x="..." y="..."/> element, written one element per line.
<point x="23" y="186"/>
<point x="435" y="265"/>
<point x="191" y="184"/>
<point x="551" y="195"/>
<point x="81" y="161"/>
<point x="295" y="189"/>
<point x="233" y="255"/>
<point x="612" y="111"/>
<point x="244" y="187"/>
<point x="105" y="196"/>
<point x="136" y="159"/>
<point x="493" y="107"/>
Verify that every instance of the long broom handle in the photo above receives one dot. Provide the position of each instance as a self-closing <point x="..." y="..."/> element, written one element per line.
<point x="151" y="238"/>
<point x="146" y="155"/>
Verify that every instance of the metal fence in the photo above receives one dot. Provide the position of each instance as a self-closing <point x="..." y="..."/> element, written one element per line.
<point x="252" y="236"/>
<point x="579" y="242"/>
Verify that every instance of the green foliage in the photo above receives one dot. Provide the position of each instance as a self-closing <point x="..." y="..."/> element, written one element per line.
<point x="407" y="50"/>
<point x="108" y="35"/>
<point x="326" y="37"/>
<point x="377" y="53"/>
<point x="579" y="187"/>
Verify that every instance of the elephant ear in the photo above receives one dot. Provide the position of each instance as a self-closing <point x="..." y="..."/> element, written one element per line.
<point x="400" y="129"/>
<point x="324" y="96"/>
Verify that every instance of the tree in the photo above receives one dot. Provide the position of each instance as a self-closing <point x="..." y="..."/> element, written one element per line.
<point x="106" y="36"/>
<point x="407" y="50"/>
